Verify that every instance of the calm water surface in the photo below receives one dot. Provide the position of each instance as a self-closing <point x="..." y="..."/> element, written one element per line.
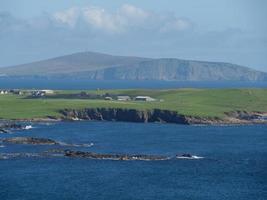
<point x="61" y="84"/>
<point x="234" y="166"/>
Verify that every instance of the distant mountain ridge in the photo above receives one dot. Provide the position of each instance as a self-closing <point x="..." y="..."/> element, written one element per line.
<point x="90" y="65"/>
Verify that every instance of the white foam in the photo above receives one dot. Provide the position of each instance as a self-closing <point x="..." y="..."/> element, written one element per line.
<point x="62" y="143"/>
<point x="88" y="145"/>
<point x="28" y="127"/>
<point x="76" y="145"/>
<point x="189" y="158"/>
<point x="197" y="157"/>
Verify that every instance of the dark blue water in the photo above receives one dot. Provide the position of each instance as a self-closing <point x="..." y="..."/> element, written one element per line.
<point x="39" y="83"/>
<point x="234" y="166"/>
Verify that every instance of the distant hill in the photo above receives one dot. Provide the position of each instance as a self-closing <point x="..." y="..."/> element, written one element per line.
<point x="90" y="65"/>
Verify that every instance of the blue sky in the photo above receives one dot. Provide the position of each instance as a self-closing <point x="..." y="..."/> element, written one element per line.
<point x="225" y="30"/>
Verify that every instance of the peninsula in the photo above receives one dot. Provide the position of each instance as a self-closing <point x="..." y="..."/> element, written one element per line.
<point x="181" y="106"/>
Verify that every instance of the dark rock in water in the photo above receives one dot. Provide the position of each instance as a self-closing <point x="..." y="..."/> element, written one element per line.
<point x="3" y="131"/>
<point x="29" y="140"/>
<point x="5" y="156"/>
<point x="40" y="141"/>
<point x="186" y="155"/>
<point x="4" y="128"/>
<point x="81" y="154"/>
<point x="11" y="126"/>
<point x="91" y="155"/>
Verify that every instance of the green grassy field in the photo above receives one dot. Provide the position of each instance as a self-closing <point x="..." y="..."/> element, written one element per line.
<point x="193" y="102"/>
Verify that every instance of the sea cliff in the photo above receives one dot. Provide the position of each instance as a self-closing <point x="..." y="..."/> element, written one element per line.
<point x="126" y="115"/>
<point x="157" y="115"/>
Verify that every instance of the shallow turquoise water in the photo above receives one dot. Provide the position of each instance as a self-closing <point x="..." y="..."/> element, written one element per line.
<point x="234" y="164"/>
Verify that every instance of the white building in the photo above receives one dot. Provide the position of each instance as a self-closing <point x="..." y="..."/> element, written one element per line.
<point x="144" y="98"/>
<point x="48" y="91"/>
<point x="108" y="98"/>
<point x="124" y="98"/>
<point x="3" y="92"/>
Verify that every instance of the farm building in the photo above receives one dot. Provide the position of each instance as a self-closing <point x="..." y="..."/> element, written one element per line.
<point x="144" y="98"/>
<point x="108" y="98"/>
<point x="40" y="93"/>
<point x="123" y="98"/>
<point x="48" y="91"/>
<point x="3" y="92"/>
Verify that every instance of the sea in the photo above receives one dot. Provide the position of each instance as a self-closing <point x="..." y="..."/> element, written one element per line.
<point x="80" y="84"/>
<point x="231" y="166"/>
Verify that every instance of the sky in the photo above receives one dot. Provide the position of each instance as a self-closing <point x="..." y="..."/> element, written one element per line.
<point x="225" y="30"/>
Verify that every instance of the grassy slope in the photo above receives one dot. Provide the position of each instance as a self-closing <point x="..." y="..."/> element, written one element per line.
<point x="197" y="102"/>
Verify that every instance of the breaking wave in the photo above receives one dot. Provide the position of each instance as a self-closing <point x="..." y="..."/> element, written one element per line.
<point x="76" y="145"/>
<point x="27" y="127"/>
<point x="192" y="157"/>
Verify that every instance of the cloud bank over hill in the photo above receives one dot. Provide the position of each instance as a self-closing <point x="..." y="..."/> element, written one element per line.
<point x="97" y="66"/>
<point x="124" y="20"/>
<point x="125" y="30"/>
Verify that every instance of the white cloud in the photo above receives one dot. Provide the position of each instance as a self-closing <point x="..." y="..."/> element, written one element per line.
<point x="126" y="18"/>
<point x="68" y="17"/>
<point x="100" y="19"/>
<point x="133" y="13"/>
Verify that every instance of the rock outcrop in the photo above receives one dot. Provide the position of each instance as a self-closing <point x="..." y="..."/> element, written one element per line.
<point x="6" y="127"/>
<point x="98" y="156"/>
<point x="60" y="152"/>
<point x="85" y="155"/>
<point x="91" y="155"/>
<point x="29" y="140"/>
<point x="126" y="115"/>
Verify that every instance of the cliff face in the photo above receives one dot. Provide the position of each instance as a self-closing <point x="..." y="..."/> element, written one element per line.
<point x="162" y="116"/>
<point x="126" y="115"/>
<point x="178" y="70"/>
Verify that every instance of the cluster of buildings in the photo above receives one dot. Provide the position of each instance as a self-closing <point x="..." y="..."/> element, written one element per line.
<point x="128" y="98"/>
<point x="3" y="91"/>
<point x="35" y="93"/>
<point x="41" y="93"/>
<point x="18" y="92"/>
